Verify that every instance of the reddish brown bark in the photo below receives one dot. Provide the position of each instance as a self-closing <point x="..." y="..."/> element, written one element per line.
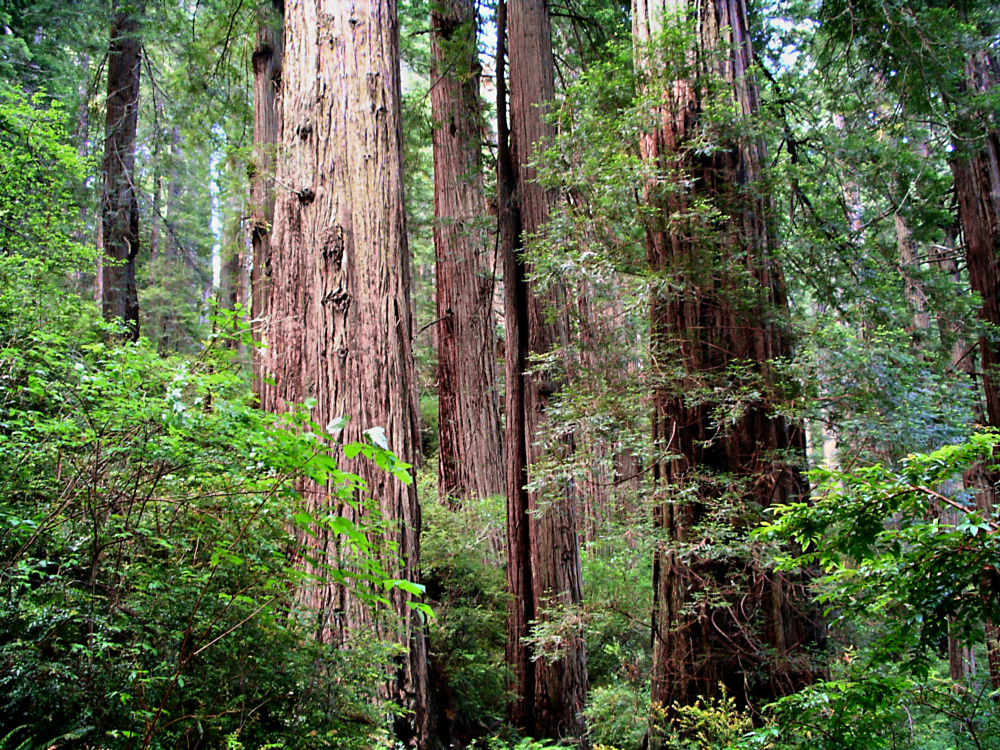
<point x="470" y="457"/>
<point x="543" y="566"/>
<point x="266" y="134"/>
<point x="977" y="190"/>
<point x="119" y="204"/>
<point x="716" y="306"/>
<point x="521" y="605"/>
<point x="340" y="328"/>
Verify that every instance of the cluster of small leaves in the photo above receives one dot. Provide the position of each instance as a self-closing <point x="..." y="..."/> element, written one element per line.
<point x="908" y="557"/>
<point x="895" y="543"/>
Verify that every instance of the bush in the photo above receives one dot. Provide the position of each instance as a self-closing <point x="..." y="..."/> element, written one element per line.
<point x="146" y="544"/>
<point x="618" y="716"/>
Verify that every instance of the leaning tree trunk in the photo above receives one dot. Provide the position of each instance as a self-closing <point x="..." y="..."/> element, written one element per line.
<point x="340" y="327"/>
<point x="120" y="204"/>
<point x="470" y="457"/>
<point x="544" y="574"/>
<point x="717" y="311"/>
<point x="977" y="189"/>
<point x="266" y="134"/>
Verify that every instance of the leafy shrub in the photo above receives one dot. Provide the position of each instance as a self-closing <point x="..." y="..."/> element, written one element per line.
<point x="147" y="554"/>
<point x="908" y="557"/>
<point x="468" y="634"/>
<point x="618" y="716"/>
<point x="713" y="724"/>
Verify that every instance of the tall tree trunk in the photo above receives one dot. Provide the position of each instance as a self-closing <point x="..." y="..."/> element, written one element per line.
<point x="909" y="266"/>
<point x="120" y="205"/>
<point x="717" y="309"/>
<point x="521" y="605"/>
<point x="266" y="134"/>
<point x="470" y="457"/>
<point x="230" y="271"/>
<point x="977" y="189"/>
<point x="340" y="329"/>
<point x="543" y="549"/>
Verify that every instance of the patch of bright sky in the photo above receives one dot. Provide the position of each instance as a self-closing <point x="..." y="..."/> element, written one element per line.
<point x="784" y="35"/>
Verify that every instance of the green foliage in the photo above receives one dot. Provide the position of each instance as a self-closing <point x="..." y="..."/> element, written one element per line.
<point x="467" y="590"/>
<point x="147" y="523"/>
<point x="908" y="558"/>
<point x="151" y="519"/>
<point x="887" y="548"/>
<point x="878" y="393"/>
<point x="617" y="716"/>
<point x="705" y="725"/>
<point x="920" y="48"/>
<point x="39" y="177"/>
<point x="874" y="709"/>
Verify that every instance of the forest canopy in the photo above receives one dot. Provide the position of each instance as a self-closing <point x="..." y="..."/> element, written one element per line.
<point x="511" y="374"/>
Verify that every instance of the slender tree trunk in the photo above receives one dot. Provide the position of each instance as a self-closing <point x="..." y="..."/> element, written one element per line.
<point x="340" y="329"/>
<point x="266" y="135"/>
<point x="543" y="548"/>
<point x="231" y="250"/>
<point x="470" y="458"/>
<point x="716" y="309"/>
<point x="908" y="265"/>
<point x="120" y="205"/>
<point x="521" y="606"/>
<point x="99" y="264"/>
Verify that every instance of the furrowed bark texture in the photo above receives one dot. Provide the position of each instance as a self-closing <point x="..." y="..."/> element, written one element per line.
<point x="543" y="551"/>
<point x="717" y="306"/>
<point x="120" y="204"/>
<point x="340" y="327"/>
<point x="521" y="605"/>
<point x="266" y="134"/>
<point x="470" y="455"/>
<point x="977" y="190"/>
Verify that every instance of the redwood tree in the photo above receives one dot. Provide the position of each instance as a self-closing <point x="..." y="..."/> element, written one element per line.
<point x="266" y="134"/>
<point x="977" y="190"/>
<point x="543" y="560"/>
<point x="717" y="322"/>
<point x="470" y="456"/>
<point x="340" y="327"/>
<point x="120" y="203"/>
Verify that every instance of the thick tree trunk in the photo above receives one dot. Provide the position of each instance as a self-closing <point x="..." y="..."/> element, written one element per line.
<point x="340" y="328"/>
<point x="470" y="458"/>
<point x="266" y="134"/>
<point x="977" y="190"/>
<point x="716" y="311"/>
<point x="120" y="204"/>
<point x="543" y="549"/>
<point x="977" y="186"/>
